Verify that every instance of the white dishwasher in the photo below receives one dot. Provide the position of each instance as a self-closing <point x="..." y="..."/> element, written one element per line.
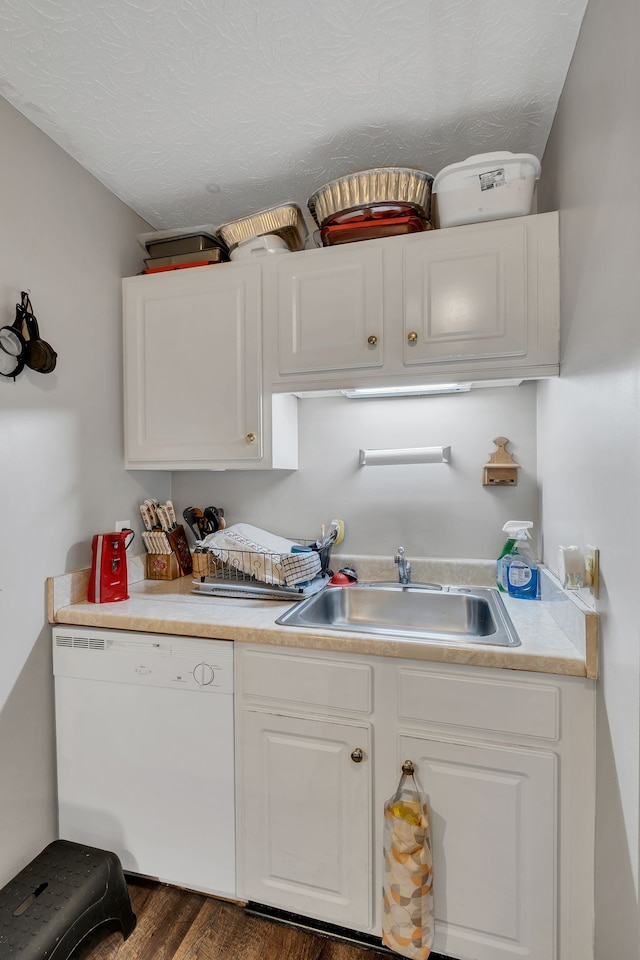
<point x="145" y="757"/>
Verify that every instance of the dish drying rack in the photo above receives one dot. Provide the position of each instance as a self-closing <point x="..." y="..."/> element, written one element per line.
<point x="224" y="573"/>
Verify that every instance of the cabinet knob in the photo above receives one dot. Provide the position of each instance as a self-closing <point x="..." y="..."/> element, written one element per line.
<point x="251" y="438"/>
<point x="412" y="337"/>
<point x="372" y="340"/>
<point x="357" y="755"/>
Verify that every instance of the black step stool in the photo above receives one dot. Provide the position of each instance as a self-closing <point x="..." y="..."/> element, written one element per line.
<point x="60" y="897"/>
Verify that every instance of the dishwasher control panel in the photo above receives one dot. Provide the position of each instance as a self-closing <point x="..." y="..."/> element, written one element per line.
<point x="152" y="660"/>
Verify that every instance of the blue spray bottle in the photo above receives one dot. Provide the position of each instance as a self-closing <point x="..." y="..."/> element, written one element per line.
<point x="523" y="575"/>
<point x="511" y="528"/>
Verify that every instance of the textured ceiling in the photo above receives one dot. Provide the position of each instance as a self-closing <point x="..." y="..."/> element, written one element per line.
<point x="201" y="111"/>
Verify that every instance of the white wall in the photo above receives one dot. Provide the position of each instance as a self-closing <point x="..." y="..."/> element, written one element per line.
<point x="65" y="238"/>
<point x="433" y="510"/>
<point x="589" y="419"/>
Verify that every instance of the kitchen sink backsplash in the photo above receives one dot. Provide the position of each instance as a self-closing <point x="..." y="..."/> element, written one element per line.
<point x="432" y="509"/>
<point x="472" y="573"/>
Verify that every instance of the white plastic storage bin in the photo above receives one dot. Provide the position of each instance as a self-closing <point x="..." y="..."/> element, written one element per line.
<point x="489" y="186"/>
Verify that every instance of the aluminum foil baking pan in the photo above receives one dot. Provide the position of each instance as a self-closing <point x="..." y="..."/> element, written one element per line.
<point x="286" y="221"/>
<point x="383" y="184"/>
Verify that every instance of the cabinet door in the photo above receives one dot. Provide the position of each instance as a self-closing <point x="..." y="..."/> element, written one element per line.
<point x="330" y="305"/>
<point x="305" y="817"/>
<point x="192" y="351"/>
<point x="493" y="831"/>
<point x="466" y="293"/>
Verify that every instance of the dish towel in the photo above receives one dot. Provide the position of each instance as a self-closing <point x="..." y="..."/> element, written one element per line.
<point x="262" y="555"/>
<point x="407" y="894"/>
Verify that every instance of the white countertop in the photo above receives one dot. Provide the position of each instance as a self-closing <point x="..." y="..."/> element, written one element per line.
<point x="558" y="634"/>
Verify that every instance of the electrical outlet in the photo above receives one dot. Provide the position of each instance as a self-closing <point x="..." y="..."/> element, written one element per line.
<point x="122" y="525"/>
<point x="592" y="566"/>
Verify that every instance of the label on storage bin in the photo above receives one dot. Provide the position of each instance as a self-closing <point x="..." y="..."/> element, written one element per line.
<point x="492" y="178"/>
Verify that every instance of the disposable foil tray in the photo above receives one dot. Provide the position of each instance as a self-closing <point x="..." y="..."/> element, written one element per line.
<point x="285" y="221"/>
<point x="380" y="185"/>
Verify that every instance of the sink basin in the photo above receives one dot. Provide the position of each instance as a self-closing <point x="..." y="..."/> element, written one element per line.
<point x="414" y="611"/>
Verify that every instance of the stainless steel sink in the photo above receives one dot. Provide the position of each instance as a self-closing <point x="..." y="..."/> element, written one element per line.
<point x="418" y="612"/>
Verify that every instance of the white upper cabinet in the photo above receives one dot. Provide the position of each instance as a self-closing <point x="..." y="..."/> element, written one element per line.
<point x="213" y="355"/>
<point x="475" y="303"/>
<point x="330" y="309"/>
<point x="193" y="374"/>
<point x="466" y="295"/>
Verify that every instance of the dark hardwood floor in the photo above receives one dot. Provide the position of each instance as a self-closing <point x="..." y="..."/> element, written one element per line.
<point x="174" y="924"/>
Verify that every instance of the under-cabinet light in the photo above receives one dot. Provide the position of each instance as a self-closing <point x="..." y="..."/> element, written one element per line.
<point x="364" y="393"/>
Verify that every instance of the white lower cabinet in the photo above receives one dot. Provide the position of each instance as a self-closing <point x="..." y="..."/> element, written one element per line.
<point x="304" y="783"/>
<point x="307" y="817"/>
<point x="506" y="759"/>
<point x="494" y="833"/>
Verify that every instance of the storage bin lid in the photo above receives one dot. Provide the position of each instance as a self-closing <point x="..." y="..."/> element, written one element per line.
<point x="517" y="164"/>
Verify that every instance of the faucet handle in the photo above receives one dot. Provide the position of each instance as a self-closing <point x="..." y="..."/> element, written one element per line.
<point x="399" y="555"/>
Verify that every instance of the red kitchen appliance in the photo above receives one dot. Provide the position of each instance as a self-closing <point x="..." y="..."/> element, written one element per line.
<point x="108" y="581"/>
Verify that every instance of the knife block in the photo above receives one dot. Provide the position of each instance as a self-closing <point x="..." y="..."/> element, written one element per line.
<point x="162" y="566"/>
<point x="170" y="566"/>
<point x="180" y="546"/>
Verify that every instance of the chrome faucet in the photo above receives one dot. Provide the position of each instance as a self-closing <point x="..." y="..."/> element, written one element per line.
<point x="404" y="567"/>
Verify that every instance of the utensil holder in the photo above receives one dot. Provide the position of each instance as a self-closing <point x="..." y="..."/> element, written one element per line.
<point x="200" y="560"/>
<point x="325" y="555"/>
